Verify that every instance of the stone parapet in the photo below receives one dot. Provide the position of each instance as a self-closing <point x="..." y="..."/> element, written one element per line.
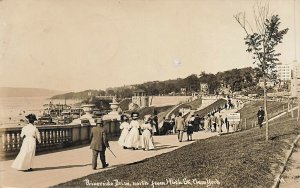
<point x="53" y="137"/>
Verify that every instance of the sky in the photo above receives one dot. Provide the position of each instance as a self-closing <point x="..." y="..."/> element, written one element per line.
<point x="74" y="45"/>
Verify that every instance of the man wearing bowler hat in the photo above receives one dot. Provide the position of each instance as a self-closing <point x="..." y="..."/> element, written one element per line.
<point x="99" y="143"/>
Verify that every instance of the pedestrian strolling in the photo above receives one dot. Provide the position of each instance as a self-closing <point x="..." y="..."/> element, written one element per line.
<point x="196" y="123"/>
<point x="260" y="116"/>
<point x="125" y="127"/>
<point x="99" y="143"/>
<point x="180" y="124"/>
<point x="205" y="126"/>
<point x="166" y="127"/>
<point x="209" y="122"/>
<point x="172" y="123"/>
<point x="213" y="123"/>
<point x="133" y="138"/>
<point x="147" y="139"/>
<point x="220" y="123"/>
<point x="189" y="131"/>
<point x="24" y="160"/>
<point x="226" y="124"/>
<point x="155" y="123"/>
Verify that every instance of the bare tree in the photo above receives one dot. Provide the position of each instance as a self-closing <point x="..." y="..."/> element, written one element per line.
<point x="261" y="42"/>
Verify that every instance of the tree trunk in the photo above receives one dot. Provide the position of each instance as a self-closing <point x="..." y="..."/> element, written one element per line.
<point x="265" y="107"/>
<point x="298" y="109"/>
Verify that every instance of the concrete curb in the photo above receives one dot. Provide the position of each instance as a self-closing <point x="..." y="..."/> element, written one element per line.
<point x="278" y="178"/>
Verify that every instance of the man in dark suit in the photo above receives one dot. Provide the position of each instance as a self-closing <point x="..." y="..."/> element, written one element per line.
<point x="99" y="144"/>
<point x="155" y="121"/>
<point x="260" y="116"/>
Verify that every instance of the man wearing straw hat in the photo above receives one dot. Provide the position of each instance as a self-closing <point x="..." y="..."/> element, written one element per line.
<point x="99" y="144"/>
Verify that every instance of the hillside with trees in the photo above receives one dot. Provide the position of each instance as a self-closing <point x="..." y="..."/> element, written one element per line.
<point x="235" y="80"/>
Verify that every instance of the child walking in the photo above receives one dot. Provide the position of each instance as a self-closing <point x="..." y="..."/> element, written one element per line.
<point x="190" y="130"/>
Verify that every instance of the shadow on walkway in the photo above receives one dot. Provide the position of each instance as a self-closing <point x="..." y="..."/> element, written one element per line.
<point x="163" y="147"/>
<point x="60" y="167"/>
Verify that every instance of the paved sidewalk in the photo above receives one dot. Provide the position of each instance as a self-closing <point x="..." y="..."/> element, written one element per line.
<point x="291" y="177"/>
<point x="54" y="168"/>
<point x="59" y="167"/>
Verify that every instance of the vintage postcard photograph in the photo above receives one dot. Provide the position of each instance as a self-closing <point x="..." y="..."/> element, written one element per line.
<point x="150" y="93"/>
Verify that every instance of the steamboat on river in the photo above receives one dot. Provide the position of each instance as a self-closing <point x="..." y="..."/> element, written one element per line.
<point x="61" y="114"/>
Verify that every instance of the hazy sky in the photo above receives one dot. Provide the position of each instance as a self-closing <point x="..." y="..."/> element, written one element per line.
<point x="94" y="44"/>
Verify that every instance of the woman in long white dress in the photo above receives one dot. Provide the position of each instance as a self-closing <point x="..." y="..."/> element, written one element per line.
<point x="125" y="127"/>
<point x="24" y="160"/>
<point x="133" y="138"/>
<point x="206" y="123"/>
<point x="147" y="141"/>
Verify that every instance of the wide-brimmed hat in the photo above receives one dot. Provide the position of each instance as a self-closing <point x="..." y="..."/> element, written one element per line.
<point x="147" y="118"/>
<point x="99" y="121"/>
<point x="135" y="115"/>
<point x="124" y="118"/>
<point x="31" y="117"/>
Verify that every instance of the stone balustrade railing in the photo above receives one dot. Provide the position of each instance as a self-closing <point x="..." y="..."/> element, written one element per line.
<point x="52" y="137"/>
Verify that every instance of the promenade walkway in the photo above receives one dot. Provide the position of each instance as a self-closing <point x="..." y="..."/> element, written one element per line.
<point x="54" y="168"/>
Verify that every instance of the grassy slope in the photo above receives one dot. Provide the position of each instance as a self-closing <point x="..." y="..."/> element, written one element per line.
<point x="236" y="160"/>
<point x="250" y="110"/>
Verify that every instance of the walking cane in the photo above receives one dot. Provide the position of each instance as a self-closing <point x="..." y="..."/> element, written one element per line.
<point x="112" y="152"/>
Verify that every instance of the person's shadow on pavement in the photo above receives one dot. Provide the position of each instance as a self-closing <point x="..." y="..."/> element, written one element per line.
<point x="60" y="167"/>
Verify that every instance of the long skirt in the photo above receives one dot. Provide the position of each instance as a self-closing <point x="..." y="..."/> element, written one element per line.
<point x="147" y="141"/>
<point x="123" y="136"/>
<point x="133" y="139"/>
<point x="25" y="157"/>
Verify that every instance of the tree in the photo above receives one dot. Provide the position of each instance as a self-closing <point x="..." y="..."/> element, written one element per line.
<point x="110" y="92"/>
<point x="261" y="42"/>
<point x="192" y="83"/>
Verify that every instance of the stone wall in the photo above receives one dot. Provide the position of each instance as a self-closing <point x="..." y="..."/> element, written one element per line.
<point x="168" y="100"/>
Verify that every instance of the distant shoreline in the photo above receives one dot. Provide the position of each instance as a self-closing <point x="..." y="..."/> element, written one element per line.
<point x="27" y="92"/>
<point x="13" y="109"/>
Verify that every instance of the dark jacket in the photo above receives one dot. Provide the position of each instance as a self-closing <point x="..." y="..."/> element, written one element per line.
<point x="99" y="140"/>
<point x="261" y="114"/>
<point x="197" y="120"/>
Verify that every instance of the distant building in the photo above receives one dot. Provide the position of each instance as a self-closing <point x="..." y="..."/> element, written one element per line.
<point x="284" y="71"/>
<point x="269" y="83"/>
<point x="183" y="91"/>
<point x="225" y="90"/>
<point x="296" y="70"/>
<point x="140" y="98"/>
<point x="204" y="88"/>
<point x="295" y="82"/>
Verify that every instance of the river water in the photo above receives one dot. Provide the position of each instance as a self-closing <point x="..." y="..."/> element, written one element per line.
<point x="13" y="109"/>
